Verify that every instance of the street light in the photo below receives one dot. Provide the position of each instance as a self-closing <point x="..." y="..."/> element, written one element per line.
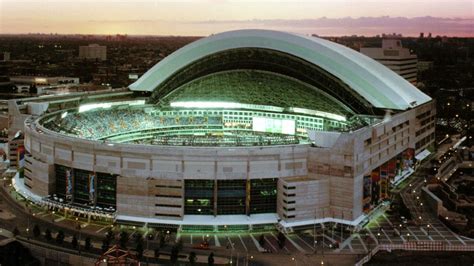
<point x="428" y="229"/>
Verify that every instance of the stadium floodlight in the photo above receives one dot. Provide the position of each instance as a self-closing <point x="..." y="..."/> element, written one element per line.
<point x="88" y="107"/>
<point x="318" y="113"/>
<point x="198" y="104"/>
<point x="230" y="105"/>
<point x="137" y="102"/>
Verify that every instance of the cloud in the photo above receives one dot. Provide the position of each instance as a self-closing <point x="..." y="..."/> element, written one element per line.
<point x="364" y="25"/>
<point x="368" y="26"/>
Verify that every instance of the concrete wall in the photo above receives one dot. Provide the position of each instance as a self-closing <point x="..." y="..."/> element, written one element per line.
<point x="328" y="181"/>
<point x="39" y="176"/>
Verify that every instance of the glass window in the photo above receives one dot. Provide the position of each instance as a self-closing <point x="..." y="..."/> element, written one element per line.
<point x="199" y="197"/>
<point x="263" y="195"/>
<point x="61" y="180"/>
<point x="231" y="196"/>
<point x="106" y="190"/>
<point x="81" y="186"/>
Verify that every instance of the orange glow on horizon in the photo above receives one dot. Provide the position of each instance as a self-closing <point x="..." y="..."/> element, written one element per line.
<point x="204" y="17"/>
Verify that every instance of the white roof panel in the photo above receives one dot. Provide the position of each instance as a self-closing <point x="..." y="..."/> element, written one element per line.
<point x="376" y="83"/>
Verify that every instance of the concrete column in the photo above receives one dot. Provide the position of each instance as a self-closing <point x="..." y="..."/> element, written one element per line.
<point x="215" y="197"/>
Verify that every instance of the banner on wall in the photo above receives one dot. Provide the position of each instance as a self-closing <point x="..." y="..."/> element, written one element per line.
<point x="68" y="184"/>
<point x="408" y="156"/>
<point x="366" y="193"/>
<point x="384" y="181"/>
<point x="21" y="160"/>
<point x="375" y="186"/>
<point x="92" y="188"/>
<point x="392" y="168"/>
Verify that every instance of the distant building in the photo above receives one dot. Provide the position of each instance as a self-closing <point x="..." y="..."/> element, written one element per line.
<point x="93" y="52"/>
<point x="424" y="65"/>
<point x="42" y="83"/>
<point x="6" y="56"/>
<point x="394" y="56"/>
<point x="16" y="151"/>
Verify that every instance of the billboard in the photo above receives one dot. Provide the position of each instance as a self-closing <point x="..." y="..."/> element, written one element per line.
<point x="367" y="193"/>
<point x="272" y="125"/>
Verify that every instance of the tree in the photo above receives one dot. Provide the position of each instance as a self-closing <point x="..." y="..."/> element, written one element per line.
<point x="60" y="237"/>
<point x="74" y="241"/>
<point x="179" y="244"/>
<point x="47" y="235"/>
<point x="138" y="237"/>
<point x="16" y="231"/>
<point x="87" y="244"/>
<point x="210" y="259"/>
<point x="109" y="235"/>
<point x="139" y="249"/>
<point x="281" y="240"/>
<point x="192" y="258"/>
<point x="105" y="244"/>
<point x="174" y="254"/>
<point x="123" y="239"/>
<point x="162" y="240"/>
<point x="36" y="231"/>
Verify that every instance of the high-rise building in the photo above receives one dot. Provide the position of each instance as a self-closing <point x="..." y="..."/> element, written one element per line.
<point x="394" y="56"/>
<point x="93" y="52"/>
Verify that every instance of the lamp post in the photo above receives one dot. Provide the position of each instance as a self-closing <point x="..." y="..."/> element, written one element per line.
<point x="314" y="232"/>
<point x="79" y="229"/>
<point x="322" y="242"/>
<point x="428" y="229"/>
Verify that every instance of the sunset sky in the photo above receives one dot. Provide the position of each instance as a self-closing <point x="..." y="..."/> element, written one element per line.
<point x="204" y="17"/>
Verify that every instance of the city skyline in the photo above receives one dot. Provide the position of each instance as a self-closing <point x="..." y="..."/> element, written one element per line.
<point x="205" y="17"/>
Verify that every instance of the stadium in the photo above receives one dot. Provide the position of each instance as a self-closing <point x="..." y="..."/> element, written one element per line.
<point x="241" y="129"/>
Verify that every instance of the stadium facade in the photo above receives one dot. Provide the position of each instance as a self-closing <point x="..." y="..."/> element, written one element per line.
<point x="244" y="128"/>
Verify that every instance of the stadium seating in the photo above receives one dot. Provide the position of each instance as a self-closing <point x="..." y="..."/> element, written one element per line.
<point x="101" y="123"/>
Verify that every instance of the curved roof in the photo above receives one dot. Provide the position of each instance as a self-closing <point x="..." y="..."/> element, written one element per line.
<point x="380" y="86"/>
